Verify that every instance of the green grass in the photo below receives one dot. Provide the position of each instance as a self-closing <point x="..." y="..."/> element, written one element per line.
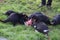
<point x="22" y="32"/>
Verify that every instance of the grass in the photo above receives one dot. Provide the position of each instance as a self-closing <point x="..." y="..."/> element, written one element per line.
<point x="22" y="32"/>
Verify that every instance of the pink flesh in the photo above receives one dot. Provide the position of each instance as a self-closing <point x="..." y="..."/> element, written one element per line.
<point x="29" y="22"/>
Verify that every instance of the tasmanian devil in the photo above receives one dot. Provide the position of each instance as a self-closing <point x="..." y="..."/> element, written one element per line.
<point x="16" y="18"/>
<point x="56" y="20"/>
<point x="39" y="16"/>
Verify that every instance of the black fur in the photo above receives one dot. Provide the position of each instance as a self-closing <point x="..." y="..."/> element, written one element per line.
<point x="9" y="12"/>
<point x="15" y="18"/>
<point x="41" y="27"/>
<point x="56" y="20"/>
<point x="38" y="16"/>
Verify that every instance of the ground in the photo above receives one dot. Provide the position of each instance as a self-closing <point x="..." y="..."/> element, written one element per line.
<point x="22" y="32"/>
